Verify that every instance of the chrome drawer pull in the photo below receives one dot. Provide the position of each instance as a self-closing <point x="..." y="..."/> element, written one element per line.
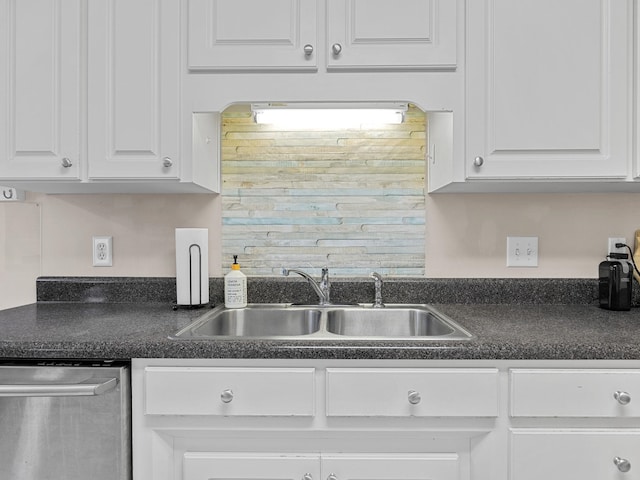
<point x="623" y="464"/>
<point x="226" y="396"/>
<point x="623" y="398"/>
<point x="414" y="397"/>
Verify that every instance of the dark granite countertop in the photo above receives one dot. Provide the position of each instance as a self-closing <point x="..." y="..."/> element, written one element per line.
<point x="510" y="319"/>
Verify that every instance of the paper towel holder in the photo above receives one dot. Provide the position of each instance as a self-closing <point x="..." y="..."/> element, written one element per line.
<point x="191" y="259"/>
<point x="191" y="275"/>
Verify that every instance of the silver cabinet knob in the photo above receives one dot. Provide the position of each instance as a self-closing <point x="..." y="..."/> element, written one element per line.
<point x="226" y="396"/>
<point x="414" y="397"/>
<point x="478" y="161"/>
<point x="307" y="476"/>
<point x="167" y="162"/>
<point x="623" y="398"/>
<point x="623" y="464"/>
<point x="66" y="163"/>
<point x="332" y="476"/>
<point x="308" y="49"/>
<point x="336" y="48"/>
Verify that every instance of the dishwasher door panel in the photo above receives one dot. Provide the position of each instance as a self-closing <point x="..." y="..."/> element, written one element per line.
<point x="65" y="422"/>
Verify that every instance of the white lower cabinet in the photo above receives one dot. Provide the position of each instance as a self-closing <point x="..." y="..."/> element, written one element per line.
<point x="308" y="420"/>
<point x="385" y="419"/>
<point x="417" y="392"/>
<point x="580" y="454"/>
<point x="574" y="423"/>
<point x="229" y="391"/>
<point x="250" y="466"/>
<point x="575" y="392"/>
<point x="442" y="466"/>
<point x="266" y="466"/>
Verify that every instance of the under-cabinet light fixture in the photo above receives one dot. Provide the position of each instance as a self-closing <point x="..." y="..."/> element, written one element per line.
<point x="332" y="116"/>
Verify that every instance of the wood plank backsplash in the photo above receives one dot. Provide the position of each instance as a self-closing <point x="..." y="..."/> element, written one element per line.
<point x="349" y="199"/>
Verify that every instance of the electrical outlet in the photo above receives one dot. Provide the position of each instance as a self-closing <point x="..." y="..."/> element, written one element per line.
<point x="102" y="251"/>
<point x="611" y="245"/>
<point x="522" y="251"/>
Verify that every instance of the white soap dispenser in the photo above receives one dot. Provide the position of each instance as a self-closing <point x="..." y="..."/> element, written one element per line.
<point x="235" y="287"/>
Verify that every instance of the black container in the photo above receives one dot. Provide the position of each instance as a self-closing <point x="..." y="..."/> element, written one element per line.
<point x="615" y="281"/>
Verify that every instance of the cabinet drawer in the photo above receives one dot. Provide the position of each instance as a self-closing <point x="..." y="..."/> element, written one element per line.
<point x="574" y="393"/>
<point x="391" y="392"/>
<point x="229" y="391"/>
<point x="576" y="454"/>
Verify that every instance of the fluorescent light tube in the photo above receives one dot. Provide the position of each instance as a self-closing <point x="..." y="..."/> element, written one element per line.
<point x="328" y="117"/>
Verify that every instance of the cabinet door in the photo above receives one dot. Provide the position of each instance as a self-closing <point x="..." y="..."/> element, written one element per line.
<point x="403" y="34"/>
<point x="40" y="89"/>
<point x="252" y="34"/>
<point x="548" y="88"/>
<point x="436" y="466"/>
<point x="134" y="95"/>
<point x="267" y="466"/>
<point x="579" y="454"/>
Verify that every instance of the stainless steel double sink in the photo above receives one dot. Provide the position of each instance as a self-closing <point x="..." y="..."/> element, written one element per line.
<point x="333" y="322"/>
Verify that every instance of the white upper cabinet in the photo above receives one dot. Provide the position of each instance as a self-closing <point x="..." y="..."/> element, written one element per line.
<point x="90" y="100"/>
<point x="548" y="89"/>
<point x="134" y="89"/>
<point x="252" y="34"/>
<point x="40" y="89"/>
<point x="379" y="34"/>
<point x="356" y="34"/>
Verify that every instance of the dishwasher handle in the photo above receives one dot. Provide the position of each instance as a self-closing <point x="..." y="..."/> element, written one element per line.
<point x="91" y="387"/>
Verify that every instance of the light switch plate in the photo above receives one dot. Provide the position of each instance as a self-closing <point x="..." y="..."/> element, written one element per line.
<point x="522" y="251"/>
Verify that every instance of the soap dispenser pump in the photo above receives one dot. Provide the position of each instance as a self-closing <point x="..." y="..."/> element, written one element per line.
<point x="235" y="287"/>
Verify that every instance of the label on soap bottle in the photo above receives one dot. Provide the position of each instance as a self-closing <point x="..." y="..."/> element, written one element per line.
<point x="235" y="290"/>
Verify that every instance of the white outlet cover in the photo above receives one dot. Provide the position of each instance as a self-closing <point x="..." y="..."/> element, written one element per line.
<point x="522" y="251"/>
<point x="9" y="194"/>
<point x="103" y="251"/>
<point x="611" y="245"/>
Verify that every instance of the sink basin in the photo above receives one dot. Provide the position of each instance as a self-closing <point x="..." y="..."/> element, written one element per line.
<point x="333" y="322"/>
<point x="254" y="321"/>
<point x="393" y="321"/>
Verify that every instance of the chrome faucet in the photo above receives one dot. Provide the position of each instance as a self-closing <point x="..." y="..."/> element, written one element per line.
<point x="377" y="278"/>
<point x="322" y="288"/>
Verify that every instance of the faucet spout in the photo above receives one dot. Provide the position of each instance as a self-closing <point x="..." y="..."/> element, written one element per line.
<point x="322" y="288"/>
<point x="377" y="278"/>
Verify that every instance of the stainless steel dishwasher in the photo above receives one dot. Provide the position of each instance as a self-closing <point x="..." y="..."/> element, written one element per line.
<point x="65" y="421"/>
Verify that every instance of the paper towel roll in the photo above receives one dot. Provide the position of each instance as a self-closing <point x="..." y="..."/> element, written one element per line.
<point x="192" y="266"/>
